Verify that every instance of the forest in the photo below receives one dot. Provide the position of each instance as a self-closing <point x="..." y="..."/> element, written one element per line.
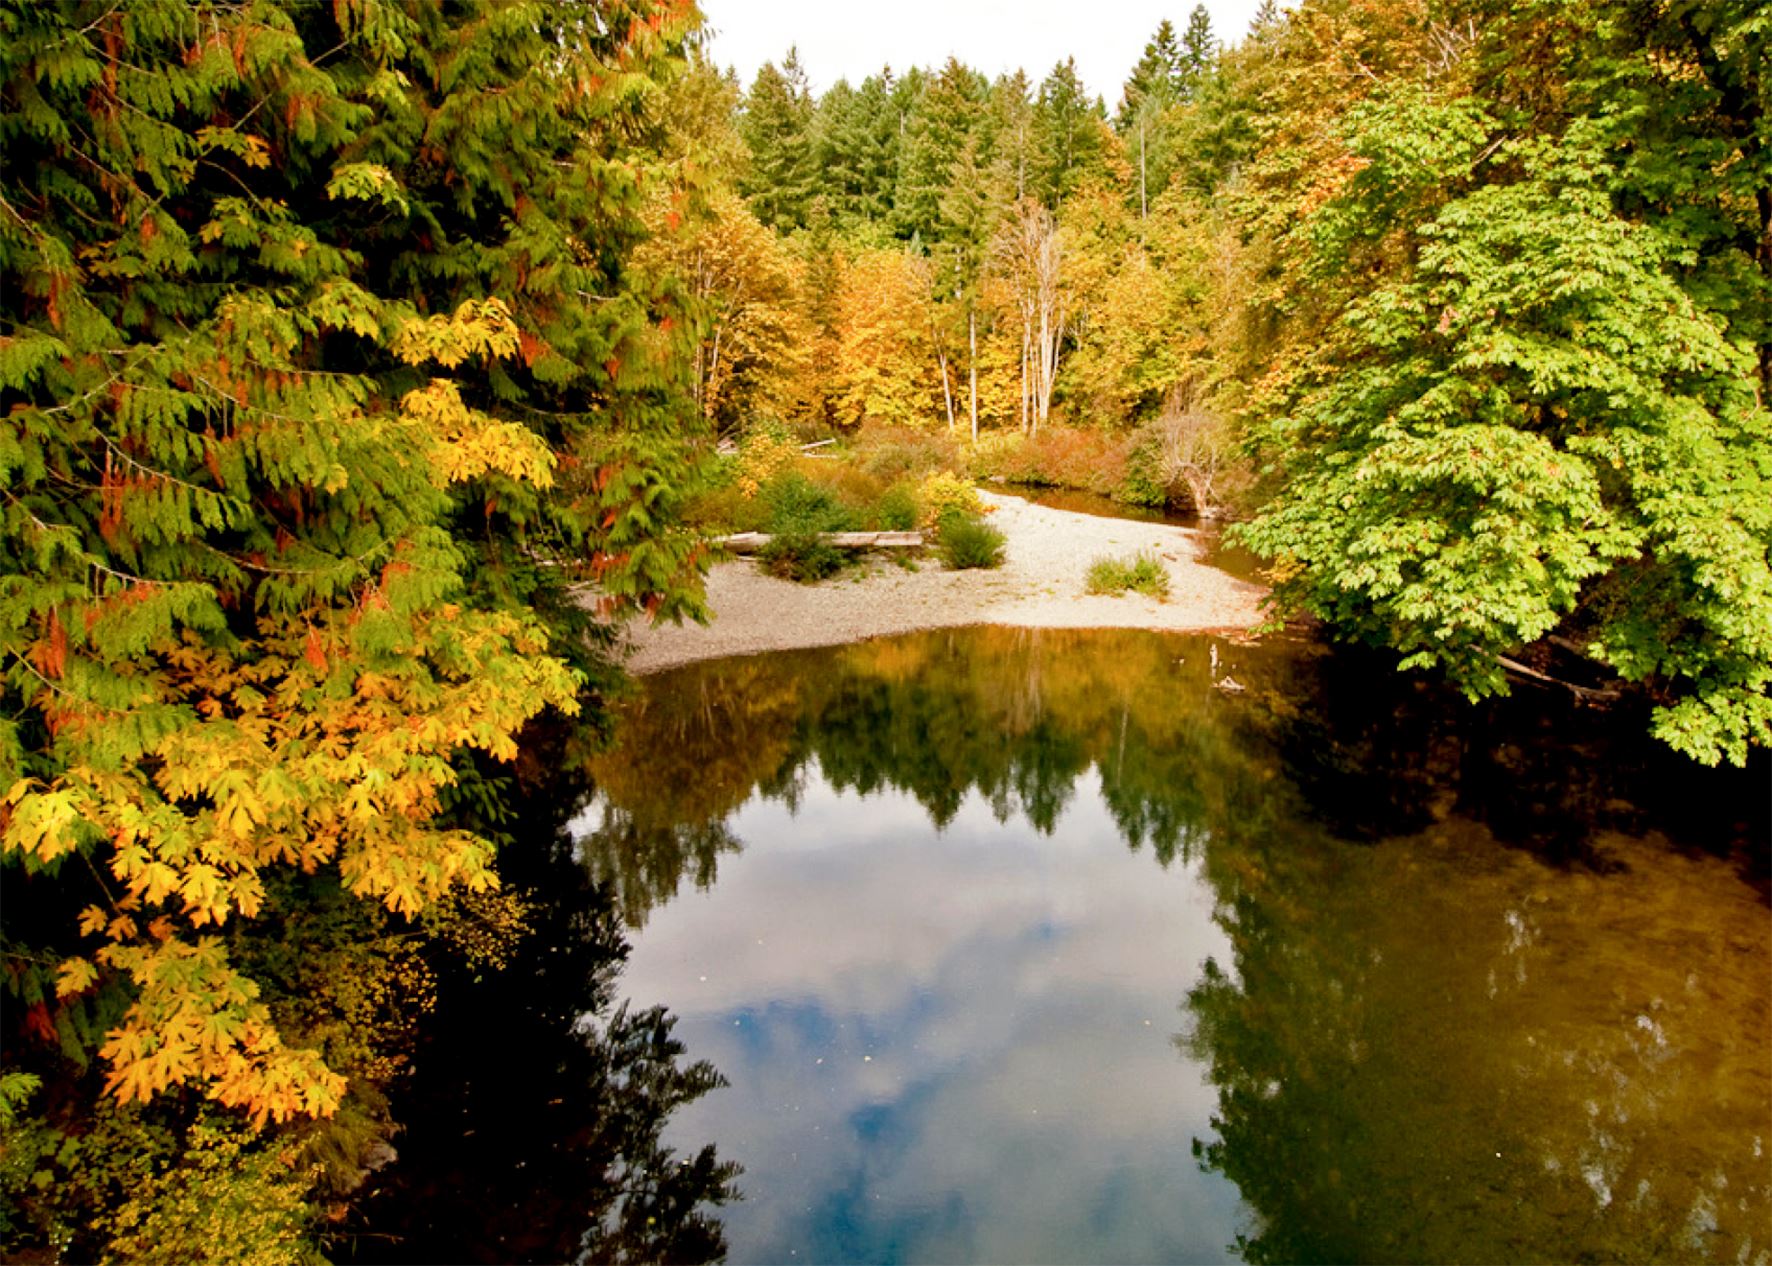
<point x="366" y="365"/>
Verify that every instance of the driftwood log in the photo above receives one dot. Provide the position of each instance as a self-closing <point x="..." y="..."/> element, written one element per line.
<point x="751" y="542"/>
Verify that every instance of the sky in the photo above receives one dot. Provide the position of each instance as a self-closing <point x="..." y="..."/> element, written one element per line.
<point x="851" y="39"/>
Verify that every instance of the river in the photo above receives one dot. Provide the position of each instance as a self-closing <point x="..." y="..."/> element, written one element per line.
<point x="1013" y="945"/>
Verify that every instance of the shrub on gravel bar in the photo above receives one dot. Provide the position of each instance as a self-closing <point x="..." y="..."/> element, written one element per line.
<point x="1142" y="573"/>
<point x="967" y="541"/>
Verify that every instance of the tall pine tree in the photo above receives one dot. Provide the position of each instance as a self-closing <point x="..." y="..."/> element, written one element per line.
<point x="777" y="128"/>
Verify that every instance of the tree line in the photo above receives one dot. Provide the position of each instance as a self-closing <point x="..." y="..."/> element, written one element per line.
<point x="1475" y="299"/>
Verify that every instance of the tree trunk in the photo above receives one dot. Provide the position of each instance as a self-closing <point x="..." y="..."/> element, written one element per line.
<point x="947" y="394"/>
<point x="713" y="372"/>
<point x="972" y="336"/>
<point x="1142" y="211"/>
<point x="1022" y="401"/>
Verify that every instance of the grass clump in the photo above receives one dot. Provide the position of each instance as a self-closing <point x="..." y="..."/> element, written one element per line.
<point x="896" y="510"/>
<point x="1141" y="573"/>
<point x="966" y="541"/>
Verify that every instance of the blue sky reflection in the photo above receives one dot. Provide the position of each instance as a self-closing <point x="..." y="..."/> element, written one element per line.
<point x="945" y="1046"/>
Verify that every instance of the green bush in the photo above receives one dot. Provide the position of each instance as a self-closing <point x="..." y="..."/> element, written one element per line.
<point x="799" y="507"/>
<point x="802" y="557"/>
<point x="1142" y="573"/>
<point x="966" y="541"/>
<point x="896" y="510"/>
<point x="799" y="512"/>
<point x="1144" y="483"/>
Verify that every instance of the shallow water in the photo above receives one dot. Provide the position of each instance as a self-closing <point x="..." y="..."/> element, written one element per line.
<point x="1055" y="946"/>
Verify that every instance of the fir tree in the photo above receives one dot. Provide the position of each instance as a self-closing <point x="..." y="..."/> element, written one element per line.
<point x="1199" y="50"/>
<point x="856" y="150"/>
<point x="1013" y="153"/>
<point x="777" y="128"/>
<point x="937" y="132"/>
<point x="1156" y="78"/>
<point x="1069" y="130"/>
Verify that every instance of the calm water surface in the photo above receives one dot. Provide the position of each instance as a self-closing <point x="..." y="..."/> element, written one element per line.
<point x="1065" y="946"/>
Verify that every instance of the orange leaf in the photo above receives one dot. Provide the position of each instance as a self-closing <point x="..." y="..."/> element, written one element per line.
<point x="315" y="652"/>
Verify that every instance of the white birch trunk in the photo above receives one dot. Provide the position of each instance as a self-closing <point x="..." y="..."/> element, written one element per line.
<point x="972" y="338"/>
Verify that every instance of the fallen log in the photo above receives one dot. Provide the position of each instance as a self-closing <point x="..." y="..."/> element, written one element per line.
<point x="751" y="542"/>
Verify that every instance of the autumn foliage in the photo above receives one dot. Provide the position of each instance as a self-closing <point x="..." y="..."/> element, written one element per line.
<point x="307" y="435"/>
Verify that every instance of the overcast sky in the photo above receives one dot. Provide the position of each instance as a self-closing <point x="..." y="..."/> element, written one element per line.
<point x="851" y="39"/>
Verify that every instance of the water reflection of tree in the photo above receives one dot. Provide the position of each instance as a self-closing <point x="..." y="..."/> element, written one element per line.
<point x="644" y="861"/>
<point x="536" y="1104"/>
<point x="1441" y="1050"/>
<point x="1016" y="716"/>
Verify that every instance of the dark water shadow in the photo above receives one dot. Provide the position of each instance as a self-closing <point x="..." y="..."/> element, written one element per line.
<point x="533" y="1112"/>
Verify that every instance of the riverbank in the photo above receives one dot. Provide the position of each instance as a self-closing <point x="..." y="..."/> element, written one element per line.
<point x="1040" y="585"/>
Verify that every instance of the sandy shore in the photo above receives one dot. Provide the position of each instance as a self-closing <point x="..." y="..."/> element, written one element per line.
<point x="1040" y="585"/>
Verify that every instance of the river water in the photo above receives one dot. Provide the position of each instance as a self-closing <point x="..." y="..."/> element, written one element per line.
<point x="1022" y="946"/>
<point x="1047" y="946"/>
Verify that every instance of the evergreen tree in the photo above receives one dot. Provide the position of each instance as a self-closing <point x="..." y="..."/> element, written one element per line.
<point x="308" y="427"/>
<point x="821" y="288"/>
<point x="856" y="150"/>
<point x="935" y="136"/>
<point x="835" y="160"/>
<point x="777" y="128"/>
<point x="879" y="119"/>
<point x="1155" y="78"/>
<point x="1199" y="50"/>
<point x="1014" y="156"/>
<point x="1071" y="145"/>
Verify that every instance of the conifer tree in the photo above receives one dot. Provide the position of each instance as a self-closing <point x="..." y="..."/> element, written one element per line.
<point x="821" y="287"/>
<point x="1156" y="78"/>
<point x="1199" y="50"/>
<point x="936" y="133"/>
<point x="777" y="127"/>
<point x="1014" y="156"/>
<point x="838" y="149"/>
<point x="1069" y="127"/>
<point x="319" y="344"/>
<point x="856" y="150"/>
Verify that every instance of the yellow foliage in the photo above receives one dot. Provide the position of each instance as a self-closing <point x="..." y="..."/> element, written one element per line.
<point x="294" y="756"/>
<point x="886" y="366"/>
<point x="465" y="443"/>
<point x="942" y="492"/>
<point x="73" y="976"/>
<point x="478" y="328"/>
<point x="766" y="451"/>
<point x="223" y="1202"/>
<point x="196" y="1018"/>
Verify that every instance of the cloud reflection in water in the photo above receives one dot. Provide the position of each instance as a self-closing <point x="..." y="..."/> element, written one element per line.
<point x="944" y="1047"/>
